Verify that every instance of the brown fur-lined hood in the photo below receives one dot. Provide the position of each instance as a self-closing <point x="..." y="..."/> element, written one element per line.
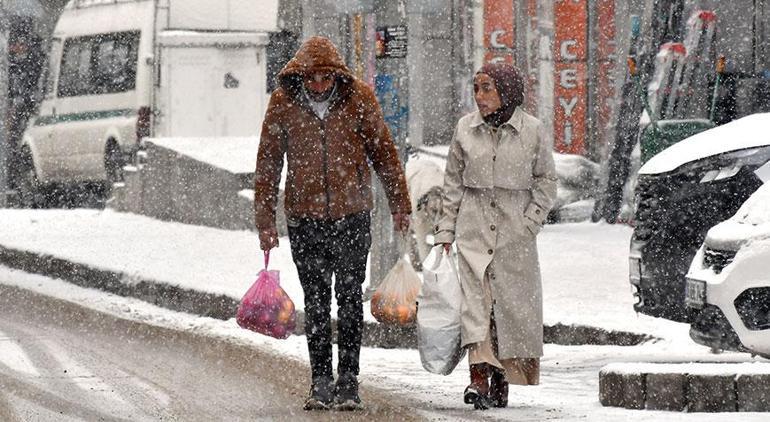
<point x="316" y="54"/>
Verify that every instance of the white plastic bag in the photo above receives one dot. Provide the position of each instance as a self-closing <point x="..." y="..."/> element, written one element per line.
<point x="438" y="314"/>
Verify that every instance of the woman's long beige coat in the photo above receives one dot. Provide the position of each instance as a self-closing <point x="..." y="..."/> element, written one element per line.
<point x="498" y="191"/>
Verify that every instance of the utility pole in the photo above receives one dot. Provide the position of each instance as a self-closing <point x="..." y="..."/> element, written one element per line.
<point x="4" y="146"/>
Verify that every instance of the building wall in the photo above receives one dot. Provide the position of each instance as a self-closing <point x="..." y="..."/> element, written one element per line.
<point x="436" y="69"/>
<point x="432" y="83"/>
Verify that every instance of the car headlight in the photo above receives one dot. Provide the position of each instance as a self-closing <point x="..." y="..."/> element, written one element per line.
<point x="725" y="166"/>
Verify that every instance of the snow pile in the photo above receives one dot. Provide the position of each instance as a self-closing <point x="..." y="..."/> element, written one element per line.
<point x="578" y="177"/>
<point x="576" y="171"/>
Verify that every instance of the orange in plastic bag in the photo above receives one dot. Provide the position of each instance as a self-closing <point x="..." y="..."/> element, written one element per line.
<point x="395" y="300"/>
<point x="266" y="308"/>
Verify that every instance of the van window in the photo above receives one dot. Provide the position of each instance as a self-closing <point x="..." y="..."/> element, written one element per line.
<point x="100" y="64"/>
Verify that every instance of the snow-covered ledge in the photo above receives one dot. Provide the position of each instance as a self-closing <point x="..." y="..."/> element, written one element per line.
<point x="193" y="181"/>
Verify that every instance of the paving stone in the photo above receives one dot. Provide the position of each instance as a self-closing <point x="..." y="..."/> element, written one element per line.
<point x="621" y="390"/>
<point x="711" y="393"/>
<point x="633" y="391"/>
<point x="665" y="391"/>
<point x="610" y="389"/>
<point x="753" y="393"/>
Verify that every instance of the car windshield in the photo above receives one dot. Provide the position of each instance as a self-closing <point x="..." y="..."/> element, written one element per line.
<point x="756" y="209"/>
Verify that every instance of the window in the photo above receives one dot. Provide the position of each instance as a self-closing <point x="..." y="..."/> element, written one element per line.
<point x="101" y="64"/>
<point x="75" y="68"/>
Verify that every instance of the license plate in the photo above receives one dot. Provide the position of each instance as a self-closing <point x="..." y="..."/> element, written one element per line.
<point x="695" y="293"/>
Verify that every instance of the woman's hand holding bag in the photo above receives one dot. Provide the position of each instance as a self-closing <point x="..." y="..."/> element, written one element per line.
<point x="438" y="317"/>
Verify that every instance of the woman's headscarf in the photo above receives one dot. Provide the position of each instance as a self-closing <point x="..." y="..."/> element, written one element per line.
<point x="510" y="87"/>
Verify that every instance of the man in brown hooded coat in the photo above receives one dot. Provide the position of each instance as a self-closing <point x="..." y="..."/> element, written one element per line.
<point x="329" y="127"/>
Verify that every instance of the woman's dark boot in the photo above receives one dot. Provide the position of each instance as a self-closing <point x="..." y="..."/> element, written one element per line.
<point x="498" y="388"/>
<point x="477" y="392"/>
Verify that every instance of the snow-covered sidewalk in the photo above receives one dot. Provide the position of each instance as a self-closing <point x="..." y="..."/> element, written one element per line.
<point x="584" y="265"/>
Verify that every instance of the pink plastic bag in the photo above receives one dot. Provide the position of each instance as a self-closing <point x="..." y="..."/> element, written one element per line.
<point x="266" y="308"/>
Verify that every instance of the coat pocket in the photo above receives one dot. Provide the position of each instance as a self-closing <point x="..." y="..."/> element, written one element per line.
<point x="532" y="226"/>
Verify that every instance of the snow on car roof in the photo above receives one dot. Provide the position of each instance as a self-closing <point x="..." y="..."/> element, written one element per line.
<point x="748" y="132"/>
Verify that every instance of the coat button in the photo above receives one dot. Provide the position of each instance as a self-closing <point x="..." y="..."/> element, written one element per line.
<point x="489" y="251"/>
<point x="492" y="227"/>
<point x="537" y="211"/>
<point x="492" y="276"/>
<point x="494" y="157"/>
<point x="493" y="204"/>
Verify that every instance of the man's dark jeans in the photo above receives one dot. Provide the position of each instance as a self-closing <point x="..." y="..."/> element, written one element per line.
<point x="320" y="249"/>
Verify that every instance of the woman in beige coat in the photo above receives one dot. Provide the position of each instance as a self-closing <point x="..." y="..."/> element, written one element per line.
<point x="499" y="185"/>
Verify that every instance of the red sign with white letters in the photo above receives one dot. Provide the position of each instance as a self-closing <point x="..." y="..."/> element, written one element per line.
<point x="570" y="81"/>
<point x="499" y="30"/>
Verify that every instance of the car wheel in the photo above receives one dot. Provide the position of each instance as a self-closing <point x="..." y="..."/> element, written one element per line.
<point x="114" y="160"/>
<point x="30" y="189"/>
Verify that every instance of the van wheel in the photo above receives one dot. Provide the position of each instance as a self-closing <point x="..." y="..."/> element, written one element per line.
<point x="113" y="163"/>
<point x="30" y="189"/>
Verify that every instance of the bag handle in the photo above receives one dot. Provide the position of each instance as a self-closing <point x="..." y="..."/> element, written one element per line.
<point x="267" y="258"/>
<point x="402" y="243"/>
<point x="452" y="263"/>
<point x="438" y="252"/>
<point x="441" y="254"/>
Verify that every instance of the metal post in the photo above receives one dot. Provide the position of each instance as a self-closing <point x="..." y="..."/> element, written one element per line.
<point x="4" y="145"/>
<point x="592" y="73"/>
<point x="358" y="47"/>
<point x="385" y="245"/>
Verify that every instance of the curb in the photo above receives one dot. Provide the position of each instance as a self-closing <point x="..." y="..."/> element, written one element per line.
<point x="224" y="307"/>
<point x="157" y="293"/>
<point x="688" y="390"/>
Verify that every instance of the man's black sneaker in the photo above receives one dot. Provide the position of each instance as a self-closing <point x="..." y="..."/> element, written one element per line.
<point x="346" y="393"/>
<point x="321" y="394"/>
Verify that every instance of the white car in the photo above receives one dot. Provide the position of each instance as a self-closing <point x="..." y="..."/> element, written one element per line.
<point x="729" y="280"/>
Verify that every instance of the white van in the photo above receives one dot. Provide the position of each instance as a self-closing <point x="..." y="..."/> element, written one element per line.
<point x="122" y="70"/>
